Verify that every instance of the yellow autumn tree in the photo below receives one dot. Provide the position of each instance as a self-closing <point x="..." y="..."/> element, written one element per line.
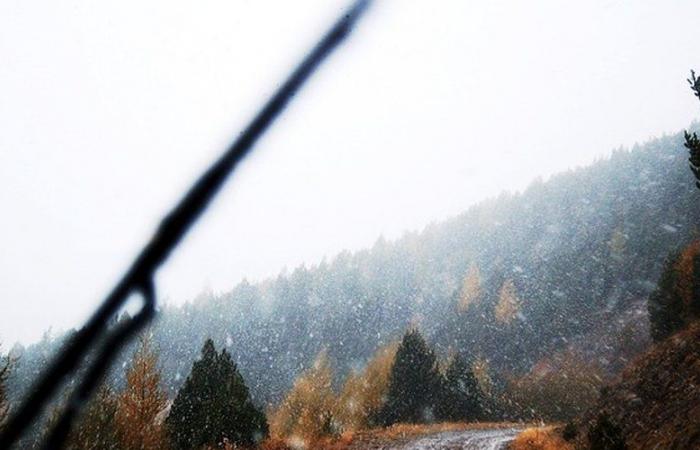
<point x="617" y="244"/>
<point x="471" y="288"/>
<point x="364" y="392"/>
<point x="306" y="413"/>
<point x="508" y="304"/>
<point x="482" y="373"/>
<point x="139" y="404"/>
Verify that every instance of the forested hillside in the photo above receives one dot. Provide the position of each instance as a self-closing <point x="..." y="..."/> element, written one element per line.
<point x="563" y="268"/>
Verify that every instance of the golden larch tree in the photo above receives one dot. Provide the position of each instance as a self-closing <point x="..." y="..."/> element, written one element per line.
<point x="364" y="392"/>
<point x="305" y="414"/>
<point x="617" y="244"/>
<point x="508" y="305"/>
<point x="482" y="372"/>
<point x="139" y="404"/>
<point x="471" y="288"/>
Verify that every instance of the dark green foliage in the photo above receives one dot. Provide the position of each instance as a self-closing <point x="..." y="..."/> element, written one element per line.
<point x="665" y="304"/>
<point x="414" y="383"/>
<point x="676" y="301"/>
<point x="605" y="435"/>
<point x="214" y="405"/>
<point x="692" y="143"/>
<point x="461" y="396"/>
<point x="569" y="432"/>
<point x="553" y="240"/>
<point x="95" y="429"/>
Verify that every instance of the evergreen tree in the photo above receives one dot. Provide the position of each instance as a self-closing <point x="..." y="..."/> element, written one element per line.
<point x="692" y="143"/>
<point x="96" y="428"/>
<point x="664" y="304"/>
<point x="213" y="406"/>
<point x="461" y="397"/>
<point x="139" y="404"/>
<point x="605" y="435"/>
<point x="414" y="383"/>
<point x="676" y="300"/>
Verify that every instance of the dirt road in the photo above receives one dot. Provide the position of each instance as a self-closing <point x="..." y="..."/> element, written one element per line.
<point x="496" y="439"/>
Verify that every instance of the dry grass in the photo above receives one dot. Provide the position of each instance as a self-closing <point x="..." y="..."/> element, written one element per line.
<point x="656" y="402"/>
<point x="407" y="430"/>
<point x="298" y="443"/>
<point x="540" y="439"/>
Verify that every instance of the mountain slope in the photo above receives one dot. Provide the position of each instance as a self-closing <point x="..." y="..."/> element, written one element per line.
<point x="567" y="264"/>
<point x="656" y="400"/>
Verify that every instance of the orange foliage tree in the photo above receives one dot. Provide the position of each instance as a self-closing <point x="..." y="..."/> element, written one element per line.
<point x="364" y="392"/>
<point x="471" y="288"/>
<point x="139" y="404"/>
<point x="508" y="304"/>
<point x="306" y="413"/>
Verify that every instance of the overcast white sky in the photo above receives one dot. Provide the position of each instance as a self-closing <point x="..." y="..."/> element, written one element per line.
<point x="109" y="110"/>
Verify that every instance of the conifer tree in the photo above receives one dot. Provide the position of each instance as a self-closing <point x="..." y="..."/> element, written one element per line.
<point x="605" y="435"/>
<point x="96" y="428"/>
<point x="471" y="288"/>
<point x="665" y="305"/>
<point x="508" y="304"/>
<point x="364" y="393"/>
<point x="676" y="300"/>
<point x="307" y="410"/>
<point x="692" y="143"/>
<point x="414" y="384"/>
<point x="139" y="404"/>
<point x="461" y="397"/>
<point x="214" y="407"/>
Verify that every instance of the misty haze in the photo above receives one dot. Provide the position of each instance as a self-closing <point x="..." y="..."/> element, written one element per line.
<point x="475" y="226"/>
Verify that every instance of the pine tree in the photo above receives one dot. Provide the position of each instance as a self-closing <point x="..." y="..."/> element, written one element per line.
<point x="139" y="404"/>
<point x="414" y="384"/>
<point x="692" y="143"/>
<point x="605" y="435"/>
<point x="96" y="428"/>
<point x="213" y="407"/>
<point x="676" y="300"/>
<point x="461" y="396"/>
<point x="664" y="304"/>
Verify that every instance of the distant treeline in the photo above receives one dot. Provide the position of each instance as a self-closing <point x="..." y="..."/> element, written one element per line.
<point x="524" y="283"/>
